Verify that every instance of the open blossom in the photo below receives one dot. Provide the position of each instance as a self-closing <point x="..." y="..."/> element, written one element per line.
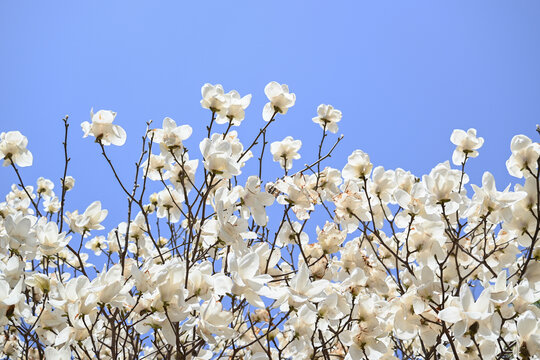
<point x="254" y="201"/>
<point x="233" y="110"/>
<point x="214" y="320"/>
<point x="285" y="151"/>
<point x="330" y="237"/>
<point x="280" y="100"/>
<point x="328" y="117"/>
<point x="442" y="184"/>
<point x="170" y="204"/>
<point x="465" y="311"/>
<point x="50" y="240"/>
<point x="103" y="129"/>
<point x="488" y="200"/>
<point x="155" y="167"/>
<point x="218" y="156"/>
<point x="358" y="166"/>
<point x="466" y="143"/>
<point x="182" y="175"/>
<point x="246" y="281"/>
<point x="525" y="155"/>
<point x="13" y="148"/>
<point x="45" y="187"/>
<point x="171" y="136"/>
<point x="213" y="97"/>
<point x="51" y="205"/>
<point x="97" y="244"/>
<point x="89" y="220"/>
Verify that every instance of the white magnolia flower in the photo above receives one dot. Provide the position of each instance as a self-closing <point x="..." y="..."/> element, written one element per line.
<point x="171" y="136"/>
<point x="50" y="240"/>
<point x="103" y="129"/>
<point x="280" y="100"/>
<point x="233" y="110"/>
<point x="300" y="290"/>
<point x="524" y="156"/>
<point x="328" y="117"/>
<point x="529" y="332"/>
<point x="13" y="148"/>
<point x="90" y="220"/>
<point x="330" y="237"/>
<point x="464" y="311"/>
<point x="285" y="151"/>
<point x="97" y="244"/>
<point x="52" y="205"/>
<point x="39" y="281"/>
<point x="467" y="145"/>
<point x="69" y="183"/>
<point x="182" y="175"/>
<point x="63" y="353"/>
<point x="246" y="281"/>
<point x="156" y="166"/>
<point x="488" y="200"/>
<point x="358" y="166"/>
<point x="19" y="233"/>
<point x="218" y="156"/>
<point x="170" y="204"/>
<point x="254" y="201"/>
<point x="442" y="184"/>
<point x="45" y="187"/>
<point x="213" y="97"/>
<point x="11" y="300"/>
<point x="290" y="233"/>
<point x="214" y="321"/>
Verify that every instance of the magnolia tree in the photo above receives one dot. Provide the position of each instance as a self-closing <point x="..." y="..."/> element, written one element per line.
<point x="199" y="271"/>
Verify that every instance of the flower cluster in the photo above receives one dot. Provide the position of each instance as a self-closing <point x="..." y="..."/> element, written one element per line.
<point x="218" y="263"/>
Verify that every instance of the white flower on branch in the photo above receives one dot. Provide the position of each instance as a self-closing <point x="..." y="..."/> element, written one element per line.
<point x="524" y="156"/>
<point x="328" y="117"/>
<point x="233" y="111"/>
<point x="285" y="151"/>
<point x="280" y="100"/>
<point x="103" y="129"/>
<point x="13" y="148"/>
<point x="358" y="166"/>
<point x="466" y="143"/>
<point x="89" y="220"/>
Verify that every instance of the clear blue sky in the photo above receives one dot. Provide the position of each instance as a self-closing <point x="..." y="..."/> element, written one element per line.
<point x="404" y="74"/>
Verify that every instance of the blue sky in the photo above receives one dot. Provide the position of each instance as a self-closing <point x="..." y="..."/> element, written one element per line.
<point x="404" y="74"/>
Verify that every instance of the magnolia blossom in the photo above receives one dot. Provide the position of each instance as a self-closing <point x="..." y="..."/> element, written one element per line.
<point x="50" y="240"/>
<point x="358" y="165"/>
<point x="254" y="201"/>
<point x="466" y="143"/>
<point x="103" y="129"/>
<point x="524" y="157"/>
<point x="69" y="183"/>
<point x="328" y="117"/>
<point x="233" y="110"/>
<point x="330" y="237"/>
<point x="487" y="200"/>
<point x="45" y="187"/>
<point x="213" y="97"/>
<point x="285" y="151"/>
<point x="171" y="136"/>
<point x="89" y="220"/>
<point x="222" y="156"/>
<point x="13" y="149"/>
<point x="214" y="320"/>
<point x="280" y="100"/>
